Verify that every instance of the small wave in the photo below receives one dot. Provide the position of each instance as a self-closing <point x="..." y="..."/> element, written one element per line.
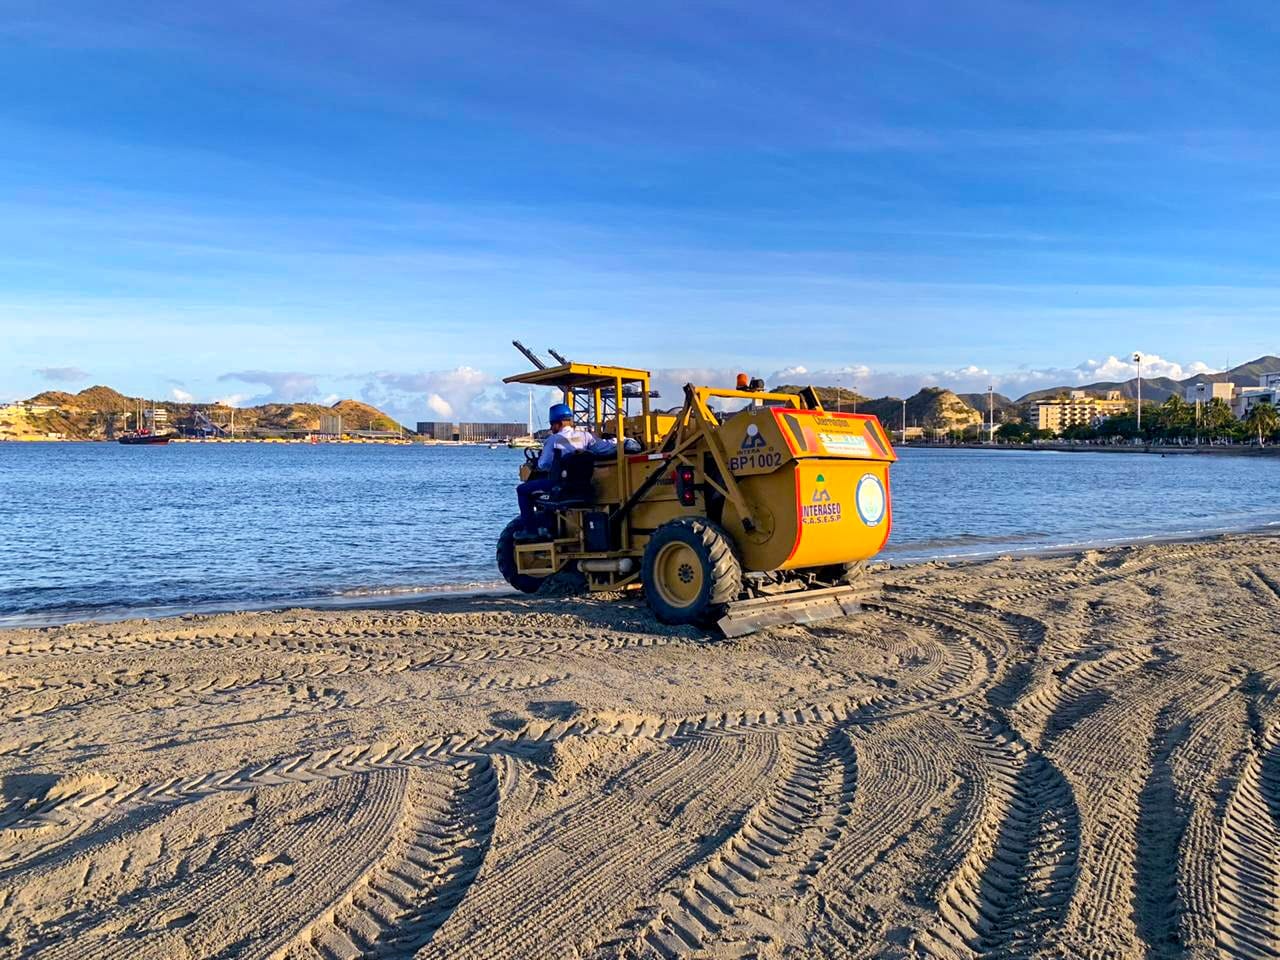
<point x="264" y="600"/>
<point x="414" y="589"/>
<point x="965" y="540"/>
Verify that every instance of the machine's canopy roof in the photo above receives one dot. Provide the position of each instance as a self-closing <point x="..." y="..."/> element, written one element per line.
<point x="577" y="375"/>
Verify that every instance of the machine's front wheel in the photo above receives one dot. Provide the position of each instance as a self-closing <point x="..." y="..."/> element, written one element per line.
<point x="507" y="560"/>
<point x="690" y="571"/>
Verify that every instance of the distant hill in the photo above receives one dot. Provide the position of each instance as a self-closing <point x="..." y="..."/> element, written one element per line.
<point x="1159" y="389"/>
<point x="98" y="412"/>
<point x="832" y="398"/>
<point x="1246" y="374"/>
<point x="1004" y="407"/>
<point x="99" y="398"/>
<point x="932" y="407"/>
<point x="1154" y="390"/>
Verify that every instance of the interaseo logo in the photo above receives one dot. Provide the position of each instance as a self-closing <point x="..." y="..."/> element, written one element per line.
<point x="821" y="508"/>
<point x="754" y="439"/>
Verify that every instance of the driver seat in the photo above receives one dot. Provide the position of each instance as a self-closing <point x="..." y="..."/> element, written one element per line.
<point x="572" y="473"/>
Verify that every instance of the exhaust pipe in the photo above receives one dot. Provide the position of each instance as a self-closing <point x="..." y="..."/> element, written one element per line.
<point x="600" y="565"/>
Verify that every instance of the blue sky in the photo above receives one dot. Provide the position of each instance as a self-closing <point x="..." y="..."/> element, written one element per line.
<point x="309" y="200"/>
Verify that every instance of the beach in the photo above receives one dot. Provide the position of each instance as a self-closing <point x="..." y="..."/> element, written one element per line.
<point x="1071" y="755"/>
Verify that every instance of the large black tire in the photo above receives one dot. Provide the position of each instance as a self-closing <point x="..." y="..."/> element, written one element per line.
<point x="507" y="560"/>
<point x="690" y="572"/>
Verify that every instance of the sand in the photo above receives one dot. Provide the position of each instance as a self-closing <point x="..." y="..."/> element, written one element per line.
<point x="1067" y="756"/>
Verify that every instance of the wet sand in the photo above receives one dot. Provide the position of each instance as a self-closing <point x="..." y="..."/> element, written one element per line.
<point x="1044" y="756"/>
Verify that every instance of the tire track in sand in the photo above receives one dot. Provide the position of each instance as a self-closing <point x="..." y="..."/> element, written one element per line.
<point x="1013" y="889"/>
<point x="1166" y="808"/>
<point x="395" y="908"/>
<point x="597" y="859"/>
<point x="966" y="658"/>
<point x="780" y="843"/>
<point x="194" y="867"/>
<point x="1247" y="915"/>
<point x="908" y="819"/>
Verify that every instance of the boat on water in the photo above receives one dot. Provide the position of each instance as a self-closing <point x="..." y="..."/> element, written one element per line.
<point x="528" y="441"/>
<point x="145" y="436"/>
<point x="138" y="437"/>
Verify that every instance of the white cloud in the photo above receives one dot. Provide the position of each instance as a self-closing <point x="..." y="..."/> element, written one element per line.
<point x="233" y="400"/>
<point x="283" y="386"/>
<point x="331" y="399"/>
<point x="182" y="396"/>
<point x="440" y="406"/>
<point x="462" y="393"/>
<point x="972" y="378"/>
<point x="1153" y="365"/>
<point x="971" y="371"/>
<point x="467" y="393"/>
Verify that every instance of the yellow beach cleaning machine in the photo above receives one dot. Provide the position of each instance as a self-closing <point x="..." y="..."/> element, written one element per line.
<point x="760" y="512"/>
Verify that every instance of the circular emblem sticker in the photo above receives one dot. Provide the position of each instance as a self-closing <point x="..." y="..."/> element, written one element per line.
<point x="870" y="499"/>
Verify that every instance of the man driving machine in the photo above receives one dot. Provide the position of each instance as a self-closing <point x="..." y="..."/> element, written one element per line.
<point x="565" y="438"/>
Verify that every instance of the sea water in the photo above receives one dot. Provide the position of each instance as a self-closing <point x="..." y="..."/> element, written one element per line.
<point x="96" y="530"/>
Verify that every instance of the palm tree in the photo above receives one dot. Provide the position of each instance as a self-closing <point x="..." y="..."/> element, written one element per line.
<point x="1217" y="417"/>
<point x="1262" y="418"/>
<point x="1174" y="415"/>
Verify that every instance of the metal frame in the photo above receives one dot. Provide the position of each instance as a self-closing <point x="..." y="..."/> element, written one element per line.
<point x="602" y="387"/>
<point x="697" y="422"/>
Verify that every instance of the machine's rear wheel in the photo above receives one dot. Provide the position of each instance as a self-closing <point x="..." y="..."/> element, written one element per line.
<point x="507" y="560"/>
<point x="690" y="571"/>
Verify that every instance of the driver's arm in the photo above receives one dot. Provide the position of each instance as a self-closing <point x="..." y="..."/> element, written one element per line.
<point x="548" y="456"/>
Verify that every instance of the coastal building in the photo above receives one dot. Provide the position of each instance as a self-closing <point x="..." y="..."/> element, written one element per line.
<point x="155" y="416"/>
<point x="1078" y="409"/>
<point x="1267" y="391"/>
<point x="470" y="432"/>
<point x="1204" y="392"/>
<point x="331" y="424"/>
<point x="491" y="431"/>
<point x="435" y="430"/>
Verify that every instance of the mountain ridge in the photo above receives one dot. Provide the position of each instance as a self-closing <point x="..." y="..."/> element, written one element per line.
<point x="98" y="412"/>
<point x="1159" y="389"/>
<point x="934" y="407"/>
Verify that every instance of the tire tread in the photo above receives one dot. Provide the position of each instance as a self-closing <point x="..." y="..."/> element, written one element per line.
<point x="724" y="567"/>
<point x="506" y="556"/>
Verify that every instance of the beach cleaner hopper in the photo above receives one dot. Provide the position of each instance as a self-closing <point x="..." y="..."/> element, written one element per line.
<point x="744" y="509"/>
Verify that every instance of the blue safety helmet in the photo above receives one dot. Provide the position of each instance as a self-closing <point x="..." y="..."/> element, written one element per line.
<point x="559" y="411"/>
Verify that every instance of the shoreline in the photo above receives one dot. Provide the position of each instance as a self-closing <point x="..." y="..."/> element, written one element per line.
<point x="1049" y="446"/>
<point x="428" y="598"/>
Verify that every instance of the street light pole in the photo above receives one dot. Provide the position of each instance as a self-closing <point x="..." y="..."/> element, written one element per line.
<point x="904" y="421"/>
<point x="1199" y="397"/>
<point x="1137" y="358"/>
<point x="991" y="414"/>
